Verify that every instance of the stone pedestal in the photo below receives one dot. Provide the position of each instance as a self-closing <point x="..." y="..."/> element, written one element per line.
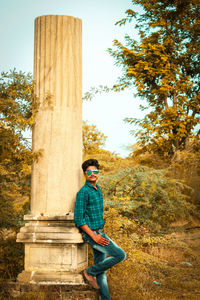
<point x="54" y="249"/>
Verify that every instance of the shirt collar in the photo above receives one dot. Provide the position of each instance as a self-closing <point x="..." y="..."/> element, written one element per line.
<point x="90" y="185"/>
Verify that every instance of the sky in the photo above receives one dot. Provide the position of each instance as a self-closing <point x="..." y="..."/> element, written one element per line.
<point x="108" y="110"/>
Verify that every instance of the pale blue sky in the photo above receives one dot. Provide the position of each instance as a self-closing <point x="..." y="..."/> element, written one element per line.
<point x="107" y="111"/>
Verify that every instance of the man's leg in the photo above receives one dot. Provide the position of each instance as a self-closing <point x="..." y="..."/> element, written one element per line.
<point x="102" y="277"/>
<point x="115" y="253"/>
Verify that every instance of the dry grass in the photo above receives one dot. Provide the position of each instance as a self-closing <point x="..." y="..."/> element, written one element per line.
<point x="165" y="270"/>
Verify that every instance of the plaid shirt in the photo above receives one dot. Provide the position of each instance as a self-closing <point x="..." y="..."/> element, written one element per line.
<point x="89" y="207"/>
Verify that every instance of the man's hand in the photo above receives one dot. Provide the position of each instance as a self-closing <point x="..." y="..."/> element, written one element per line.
<point x="99" y="239"/>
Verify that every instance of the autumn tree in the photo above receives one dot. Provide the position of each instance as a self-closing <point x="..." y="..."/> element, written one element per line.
<point x="93" y="139"/>
<point x="164" y="66"/>
<point x="16" y="95"/>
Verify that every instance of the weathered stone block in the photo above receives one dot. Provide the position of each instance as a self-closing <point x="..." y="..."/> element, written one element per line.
<point x="25" y="291"/>
<point x="54" y="251"/>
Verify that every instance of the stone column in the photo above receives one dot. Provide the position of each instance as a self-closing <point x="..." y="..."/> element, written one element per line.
<point x="54" y="249"/>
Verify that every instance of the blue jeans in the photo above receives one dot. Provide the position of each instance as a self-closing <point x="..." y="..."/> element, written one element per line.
<point x="102" y="263"/>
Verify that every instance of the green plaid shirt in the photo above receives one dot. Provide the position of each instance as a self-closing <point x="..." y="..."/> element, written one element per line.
<point x="89" y="207"/>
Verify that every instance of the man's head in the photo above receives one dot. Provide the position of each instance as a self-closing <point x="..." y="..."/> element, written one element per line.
<point x="91" y="170"/>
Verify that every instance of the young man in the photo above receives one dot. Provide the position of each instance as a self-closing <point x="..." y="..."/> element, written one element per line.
<point x="88" y="216"/>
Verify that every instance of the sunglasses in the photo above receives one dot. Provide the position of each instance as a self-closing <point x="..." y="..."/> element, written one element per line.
<point x="89" y="172"/>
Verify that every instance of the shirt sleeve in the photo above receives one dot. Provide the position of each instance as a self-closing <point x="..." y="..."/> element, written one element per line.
<point x="80" y="208"/>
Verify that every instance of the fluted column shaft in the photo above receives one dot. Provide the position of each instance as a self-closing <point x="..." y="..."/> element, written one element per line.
<point x="56" y="177"/>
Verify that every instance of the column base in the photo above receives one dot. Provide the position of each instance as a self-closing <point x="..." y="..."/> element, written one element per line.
<point x="54" y="251"/>
<point x="42" y="277"/>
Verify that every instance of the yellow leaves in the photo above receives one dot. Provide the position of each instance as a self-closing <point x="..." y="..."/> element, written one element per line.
<point x="130" y="71"/>
<point x="12" y="93"/>
<point x="93" y="139"/>
<point x="159" y="23"/>
<point x="158" y="227"/>
<point x="165" y="88"/>
<point x="19" y="205"/>
<point x="26" y="170"/>
<point x="154" y="215"/>
<point x="152" y="188"/>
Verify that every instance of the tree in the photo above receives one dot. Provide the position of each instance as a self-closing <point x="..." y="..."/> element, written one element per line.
<point x="165" y="68"/>
<point x="16" y="97"/>
<point x="93" y="139"/>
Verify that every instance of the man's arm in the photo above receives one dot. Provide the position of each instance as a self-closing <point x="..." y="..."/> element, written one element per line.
<point x="80" y="208"/>
<point x="98" y="238"/>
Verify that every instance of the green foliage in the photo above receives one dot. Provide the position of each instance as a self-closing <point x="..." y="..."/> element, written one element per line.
<point x="184" y="166"/>
<point x="11" y="257"/>
<point x="148" y="196"/>
<point x="16" y="97"/>
<point x="165" y="68"/>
